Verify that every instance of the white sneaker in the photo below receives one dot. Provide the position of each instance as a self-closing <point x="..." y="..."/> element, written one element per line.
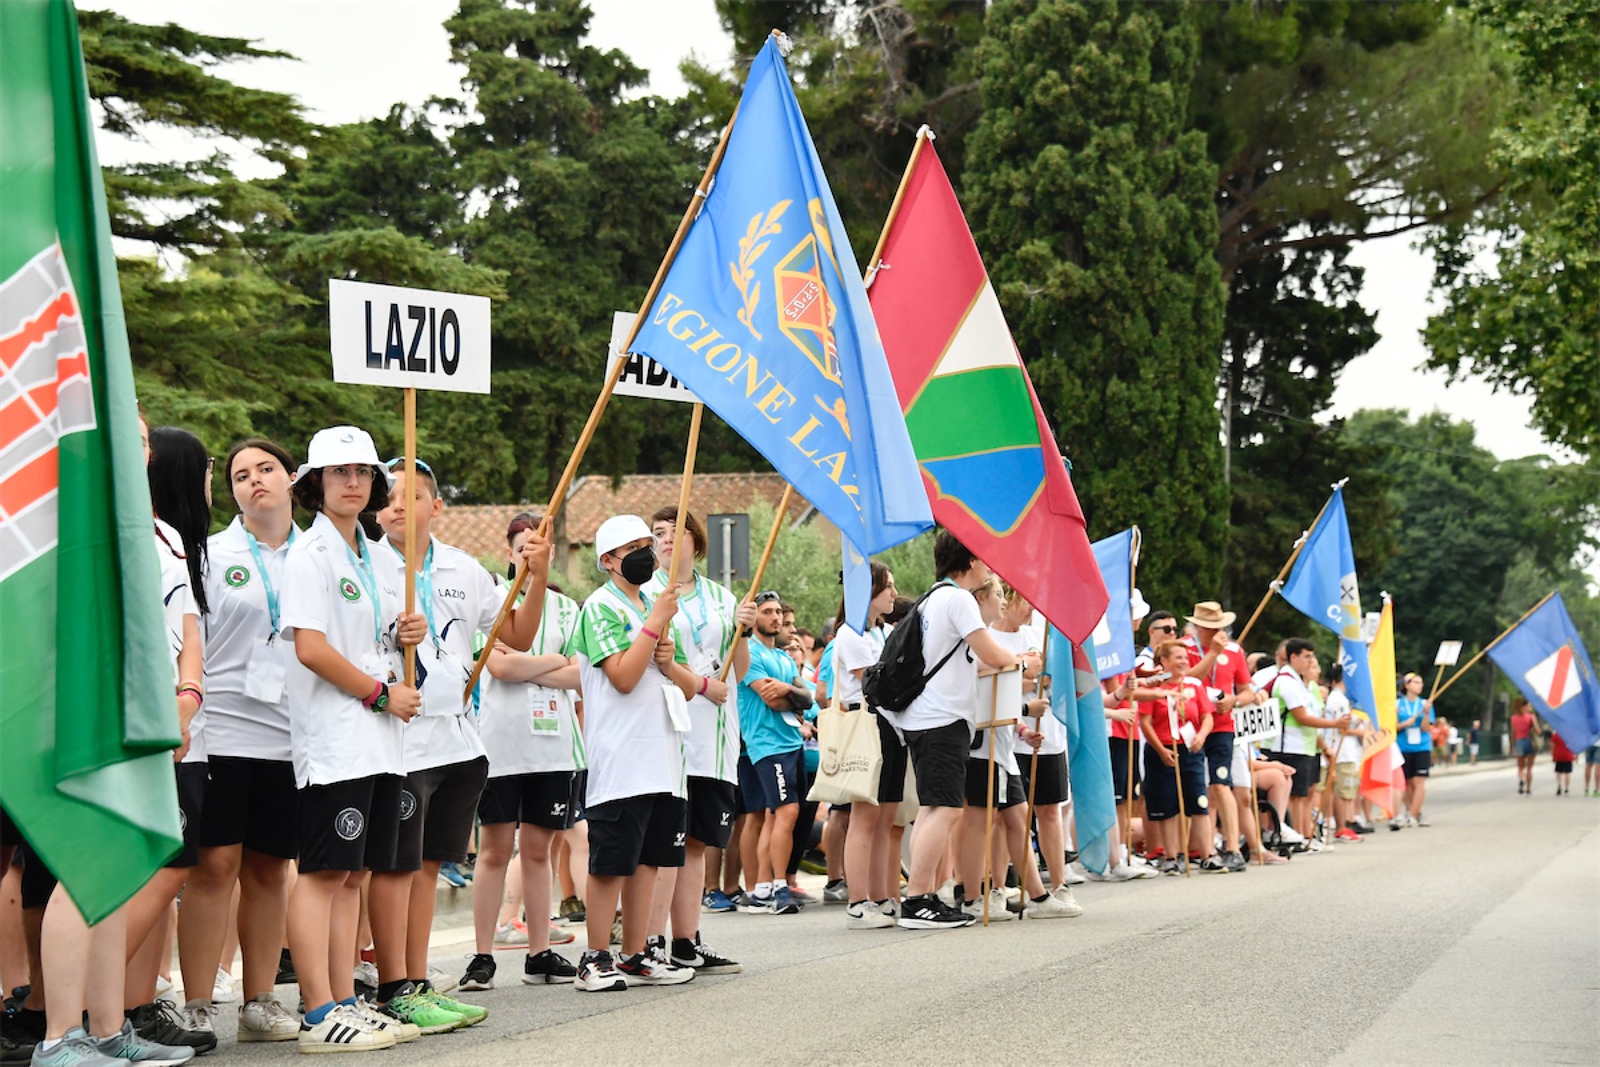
<point x="1073" y="877"/>
<point x="1289" y="835"/>
<point x="344" y="1029"/>
<point x="164" y="989"/>
<point x="222" y="991"/>
<point x="367" y="973"/>
<point x="1056" y="905"/>
<point x="1013" y="894"/>
<point x="264" y="1019"/>
<point x="1317" y="846"/>
<point x="442" y="981"/>
<point x="197" y="1016"/>
<point x="866" y="916"/>
<point x="385" y="1023"/>
<point x="890" y="907"/>
<point x="947" y="893"/>
<point x="998" y="912"/>
<point x="1141" y="870"/>
<point x="511" y="934"/>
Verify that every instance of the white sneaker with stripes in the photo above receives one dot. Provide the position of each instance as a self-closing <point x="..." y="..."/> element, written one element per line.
<point x="344" y="1029"/>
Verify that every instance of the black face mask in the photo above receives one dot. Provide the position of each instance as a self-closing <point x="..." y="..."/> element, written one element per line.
<point x="638" y="566"/>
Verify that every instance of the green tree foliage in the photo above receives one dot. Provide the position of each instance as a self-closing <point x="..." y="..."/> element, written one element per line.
<point x="1092" y="202"/>
<point x="1462" y="522"/>
<point x="1530" y="322"/>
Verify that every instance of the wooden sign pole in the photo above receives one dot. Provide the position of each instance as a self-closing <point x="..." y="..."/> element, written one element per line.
<point x="411" y="527"/>
<point x="759" y="573"/>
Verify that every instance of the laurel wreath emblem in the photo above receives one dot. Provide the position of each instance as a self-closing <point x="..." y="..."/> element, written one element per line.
<point x="751" y="246"/>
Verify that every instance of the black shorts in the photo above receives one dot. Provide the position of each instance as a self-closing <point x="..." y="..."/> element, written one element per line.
<point x="1306" y="769"/>
<point x="892" y="778"/>
<point x="350" y="826"/>
<point x="1563" y="766"/>
<point x="710" y="814"/>
<point x="939" y="760"/>
<point x="191" y="806"/>
<point x="551" y="799"/>
<point x="773" y="781"/>
<point x="251" y="802"/>
<point x="10" y="833"/>
<point x="631" y="832"/>
<point x="1007" y="787"/>
<point x="745" y="771"/>
<point x="1052" y="787"/>
<point x="1418" y="764"/>
<point x="436" y="810"/>
<point x="1219" y="759"/>
<point x="1161" y="787"/>
<point x="1120" y="763"/>
<point x="38" y="882"/>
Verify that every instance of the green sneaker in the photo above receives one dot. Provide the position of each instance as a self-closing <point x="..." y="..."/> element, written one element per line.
<point x="468" y="1014"/>
<point x="423" y="1013"/>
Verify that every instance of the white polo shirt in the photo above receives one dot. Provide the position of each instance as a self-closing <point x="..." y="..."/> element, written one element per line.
<point x="459" y="598"/>
<point x="529" y="728"/>
<point x="705" y="619"/>
<point x="852" y="652"/>
<point x="1026" y="639"/>
<point x="634" y="747"/>
<point x="948" y="615"/>
<point x="177" y="601"/>
<point x="354" y="602"/>
<point x="247" y="659"/>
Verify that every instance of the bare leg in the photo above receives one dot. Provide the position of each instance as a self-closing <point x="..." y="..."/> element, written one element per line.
<point x="263" y="909"/>
<point x="685" y="903"/>
<point x="310" y="921"/>
<point x="969" y="861"/>
<point x="511" y="899"/>
<point x="576" y="841"/>
<point x="84" y="967"/>
<point x="489" y="881"/>
<point x="388" y="897"/>
<point x="535" y="846"/>
<point x="637" y="891"/>
<point x="1052" y="842"/>
<point x="13" y="939"/>
<point x="934" y="827"/>
<point x="835" y="836"/>
<point x="203" y="919"/>
<point x="893" y="853"/>
<point x="733" y="857"/>
<point x="780" y="839"/>
<point x="419" y="918"/>
<point x="861" y="857"/>
<point x="144" y="964"/>
<point x="601" y="908"/>
<point x="1020" y="854"/>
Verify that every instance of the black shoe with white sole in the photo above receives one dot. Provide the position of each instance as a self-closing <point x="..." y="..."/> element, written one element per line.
<point x="701" y="957"/>
<point x="479" y="973"/>
<point x="548" y="968"/>
<point x="930" y="913"/>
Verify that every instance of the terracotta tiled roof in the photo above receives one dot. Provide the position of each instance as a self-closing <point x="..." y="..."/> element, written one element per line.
<point x="481" y="529"/>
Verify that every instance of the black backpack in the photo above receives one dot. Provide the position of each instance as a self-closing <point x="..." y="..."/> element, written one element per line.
<point x="896" y="679"/>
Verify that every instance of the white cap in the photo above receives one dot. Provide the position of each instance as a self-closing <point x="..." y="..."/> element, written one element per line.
<point x="617" y="531"/>
<point x="1139" y="608"/>
<point x="339" y="446"/>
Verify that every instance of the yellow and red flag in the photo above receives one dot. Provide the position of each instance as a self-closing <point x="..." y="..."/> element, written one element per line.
<point x="1382" y="767"/>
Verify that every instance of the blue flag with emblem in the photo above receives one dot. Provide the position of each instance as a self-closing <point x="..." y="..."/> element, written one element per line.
<point x="1544" y="656"/>
<point x="1077" y="702"/>
<point x="1113" y="637"/>
<point x="1322" y="586"/>
<point x="763" y="316"/>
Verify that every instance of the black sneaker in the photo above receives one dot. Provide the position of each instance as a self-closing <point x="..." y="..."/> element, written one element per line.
<point x="1234" y="862"/>
<point x="701" y="957"/>
<point x="547" y="968"/>
<point x="162" y="1023"/>
<point x="23" y="1025"/>
<point x="1212" y="865"/>
<point x="479" y="973"/>
<point x="930" y="913"/>
<point x="286" y="974"/>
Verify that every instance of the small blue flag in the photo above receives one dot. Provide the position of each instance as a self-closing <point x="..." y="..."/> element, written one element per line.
<point x="1113" y="638"/>
<point x="763" y="316"/>
<point x="1077" y="703"/>
<point x="1544" y="656"/>
<point x="1323" y="587"/>
<point x="857" y="578"/>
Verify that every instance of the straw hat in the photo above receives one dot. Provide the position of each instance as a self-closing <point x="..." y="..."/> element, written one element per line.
<point x="1208" y="615"/>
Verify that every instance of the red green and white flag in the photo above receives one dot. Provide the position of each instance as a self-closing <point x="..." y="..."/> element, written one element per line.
<point x="87" y="718"/>
<point x="989" y="462"/>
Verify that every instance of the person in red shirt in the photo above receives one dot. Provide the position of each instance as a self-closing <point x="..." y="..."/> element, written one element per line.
<point x="1524" y="728"/>
<point x="1175" y="719"/>
<point x="1220" y="663"/>
<point x="1562" y="756"/>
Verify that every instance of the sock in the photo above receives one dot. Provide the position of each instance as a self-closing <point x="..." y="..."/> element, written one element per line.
<point x="960" y="892"/>
<point x="316" y="1015"/>
<point x="387" y="990"/>
<point x="835" y="883"/>
<point x="422" y="985"/>
<point x="348" y="1001"/>
<point x="762" y="889"/>
<point x="1041" y="898"/>
<point x="858" y="903"/>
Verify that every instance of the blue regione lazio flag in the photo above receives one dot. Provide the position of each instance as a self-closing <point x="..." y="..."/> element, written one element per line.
<point x="764" y="317"/>
<point x="1113" y="637"/>
<point x="1322" y="586"/>
<point x="1544" y="656"/>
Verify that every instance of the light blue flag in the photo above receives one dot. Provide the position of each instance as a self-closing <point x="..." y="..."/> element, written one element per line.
<point x="1322" y="586"/>
<point x="763" y="316"/>
<point x="1076" y="702"/>
<point x="857" y="577"/>
<point x="1545" y="658"/>
<point x="1113" y="638"/>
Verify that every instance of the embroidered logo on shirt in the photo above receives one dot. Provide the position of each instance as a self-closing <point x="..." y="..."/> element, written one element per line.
<point x="348" y="590"/>
<point x="236" y="576"/>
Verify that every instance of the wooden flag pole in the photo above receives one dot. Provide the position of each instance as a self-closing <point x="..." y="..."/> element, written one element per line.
<point x="681" y="525"/>
<point x="1284" y="573"/>
<point x="1038" y="725"/>
<point x="558" y="497"/>
<point x="1437" y="677"/>
<point x="759" y="573"/>
<point x="988" y="819"/>
<point x="1183" y="810"/>
<point x="411" y="529"/>
<point x="1484" y="651"/>
<point x="1133" y="730"/>
<point x="924" y="136"/>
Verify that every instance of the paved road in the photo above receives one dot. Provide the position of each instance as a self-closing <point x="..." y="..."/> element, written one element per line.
<point x="1474" y="941"/>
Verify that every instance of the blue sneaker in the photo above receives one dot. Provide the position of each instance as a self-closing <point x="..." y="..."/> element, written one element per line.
<point x="715" y="901"/>
<point x="450" y="874"/>
<point x="783" y="902"/>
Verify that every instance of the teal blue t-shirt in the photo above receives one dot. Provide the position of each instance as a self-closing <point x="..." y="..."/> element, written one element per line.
<point x="767" y="732"/>
<point x="1411" y="707"/>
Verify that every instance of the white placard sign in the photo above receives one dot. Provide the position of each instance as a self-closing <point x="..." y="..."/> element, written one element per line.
<point x="1256" y="722"/>
<point x="408" y="338"/>
<point x="1005" y="690"/>
<point x="1449" y="652"/>
<point x="643" y="376"/>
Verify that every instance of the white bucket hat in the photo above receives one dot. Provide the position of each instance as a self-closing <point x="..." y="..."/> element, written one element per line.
<point x="339" y="446"/>
<point x="616" y="532"/>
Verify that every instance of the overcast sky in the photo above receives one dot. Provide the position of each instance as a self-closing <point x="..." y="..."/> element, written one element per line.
<point x="358" y="57"/>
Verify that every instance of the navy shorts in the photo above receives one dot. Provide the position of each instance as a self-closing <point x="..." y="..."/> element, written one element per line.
<point x="1120" y="768"/>
<point x="1219" y="759"/>
<point x="774" y="781"/>
<point x="1418" y="764"/>
<point x="631" y="832"/>
<point x="711" y="811"/>
<point x="1161" y="787"/>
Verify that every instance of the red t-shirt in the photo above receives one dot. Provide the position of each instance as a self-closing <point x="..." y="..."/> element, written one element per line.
<point x="1559" y="750"/>
<point x="1198" y="706"/>
<point x="1521" y="725"/>
<point x="1228" y="676"/>
<point x="1118" y="729"/>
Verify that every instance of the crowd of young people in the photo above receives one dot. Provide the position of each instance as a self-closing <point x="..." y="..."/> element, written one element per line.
<point x="650" y="751"/>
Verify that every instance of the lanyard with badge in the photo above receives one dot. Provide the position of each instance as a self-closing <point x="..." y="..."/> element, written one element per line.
<point x="378" y="664"/>
<point x="267" y="672"/>
<point x="544" y="703"/>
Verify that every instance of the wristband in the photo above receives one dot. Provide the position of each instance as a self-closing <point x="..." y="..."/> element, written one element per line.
<point x="705" y="683"/>
<point x="377" y="691"/>
<point x="651" y="634"/>
<point x="194" y="691"/>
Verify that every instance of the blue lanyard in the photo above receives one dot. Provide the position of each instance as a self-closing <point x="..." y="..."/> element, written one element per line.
<point x="702" y="624"/>
<point x="635" y="612"/>
<point x="424" y="586"/>
<point x="363" y="562"/>
<point x="266" y="579"/>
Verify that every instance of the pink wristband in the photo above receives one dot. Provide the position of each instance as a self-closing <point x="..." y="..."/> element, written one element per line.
<point x="377" y="691"/>
<point x="651" y="634"/>
<point x="705" y="683"/>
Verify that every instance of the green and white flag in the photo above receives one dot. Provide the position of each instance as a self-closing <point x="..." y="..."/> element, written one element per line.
<point x="87" y="715"/>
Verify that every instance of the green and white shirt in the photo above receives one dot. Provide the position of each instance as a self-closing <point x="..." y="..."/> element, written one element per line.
<point x="529" y="728"/>
<point x="705" y="618"/>
<point x="634" y="749"/>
